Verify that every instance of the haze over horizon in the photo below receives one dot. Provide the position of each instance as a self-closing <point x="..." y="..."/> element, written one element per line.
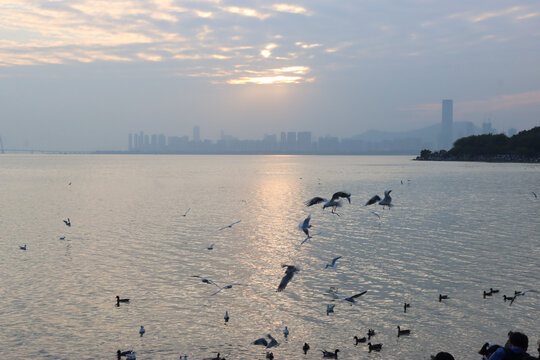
<point x="80" y="75"/>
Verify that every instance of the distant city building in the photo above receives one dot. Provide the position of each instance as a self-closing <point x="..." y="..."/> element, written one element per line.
<point x="304" y="141"/>
<point x="487" y="128"/>
<point x="283" y="141"/>
<point x="196" y="133"/>
<point x="130" y="142"/>
<point x="291" y="141"/>
<point x="446" y="137"/>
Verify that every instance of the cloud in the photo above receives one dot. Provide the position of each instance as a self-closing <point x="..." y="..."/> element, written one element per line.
<point x="293" y="9"/>
<point x="485" y="15"/>
<point x="307" y="46"/>
<point x="245" y="12"/>
<point x="284" y="75"/>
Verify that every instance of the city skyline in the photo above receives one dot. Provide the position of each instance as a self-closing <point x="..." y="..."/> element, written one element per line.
<point x="81" y="74"/>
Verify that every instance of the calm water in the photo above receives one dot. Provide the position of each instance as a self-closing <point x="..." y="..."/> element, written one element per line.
<point x="456" y="228"/>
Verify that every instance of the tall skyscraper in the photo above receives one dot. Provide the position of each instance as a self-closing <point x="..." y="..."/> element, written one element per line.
<point x="130" y="142"/>
<point x="446" y="137"/>
<point x="196" y="133"/>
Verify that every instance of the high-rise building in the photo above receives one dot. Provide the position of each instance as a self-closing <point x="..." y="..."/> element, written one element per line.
<point x="196" y="133"/>
<point x="304" y="141"/>
<point x="291" y="141"/>
<point x="130" y="142"/>
<point x="446" y="136"/>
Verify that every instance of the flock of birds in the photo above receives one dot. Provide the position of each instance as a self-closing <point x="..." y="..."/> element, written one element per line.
<point x="269" y="341"/>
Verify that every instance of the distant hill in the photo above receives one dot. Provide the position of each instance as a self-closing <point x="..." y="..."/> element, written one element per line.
<point x="428" y="135"/>
<point x="522" y="147"/>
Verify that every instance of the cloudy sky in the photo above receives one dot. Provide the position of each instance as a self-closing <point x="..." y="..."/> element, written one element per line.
<point x="82" y="74"/>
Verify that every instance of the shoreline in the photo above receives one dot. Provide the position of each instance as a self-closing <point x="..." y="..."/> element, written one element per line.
<point x="482" y="158"/>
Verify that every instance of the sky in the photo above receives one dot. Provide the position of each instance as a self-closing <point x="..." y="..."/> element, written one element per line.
<point x="80" y="75"/>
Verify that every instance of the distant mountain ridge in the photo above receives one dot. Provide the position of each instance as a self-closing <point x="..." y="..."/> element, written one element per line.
<point x="429" y="134"/>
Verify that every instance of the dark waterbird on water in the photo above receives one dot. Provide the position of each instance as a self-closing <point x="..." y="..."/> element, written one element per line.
<point x="371" y="333"/>
<point x="22" y="247"/>
<point x="118" y="300"/>
<point x="119" y="353"/>
<point x="270" y="355"/>
<point x="442" y="297"/>
<point x="289" y="273"/>
<point x="402" y="332"/>
<point x="374" y="347"/>
<point x="359" y="340"/>
<point x="305" y="348"/>
<point x="330" y="354"/>
<point x="67" y="222"/>
<point x="405" y="306"/>
<point x="226" y="317"/>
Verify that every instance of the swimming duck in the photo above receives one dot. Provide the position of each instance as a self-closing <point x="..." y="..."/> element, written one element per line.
<point x="118" y="300"/>
<point x="226" y="317"/>
<point x="374" y="347"/>
<point x="119" y="353"/>
<point x="359" y="340"/>
<point x="371" y="333"/>
<point x="22" y="247"/>
<point x="405" y="306"/>
<point x="305" y="348"/>
<point x="329" y="354"/>
<point x="402" y="332"/>
<point x="142" y="331"/>
<point x="286" y="332"/>
<point x="442" y="297"/>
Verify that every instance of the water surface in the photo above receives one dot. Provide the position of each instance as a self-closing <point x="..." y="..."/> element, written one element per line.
<point x="456" y="228"/>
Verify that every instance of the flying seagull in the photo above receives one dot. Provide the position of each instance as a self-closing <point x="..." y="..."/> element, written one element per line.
<point x="373" y="200"/>
<point x="289" y="273"/>
<point x="304" y="225"/>
<point x="333" y="203"/>
<point x="387" y="201"/>
<point x="521" y="293"/>
<point x="330" y="309"/>
<point x="228" y="287"/>
<point x="205" y="280"/>
<point x="309" y="237"/>
<point x="186" y="212"/>
<point x="229" y="226"/>
<point x="333" y="264"/>
<point x="350" y="299"/>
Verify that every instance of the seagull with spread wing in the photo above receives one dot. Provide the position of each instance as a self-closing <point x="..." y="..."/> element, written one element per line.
<point x="228" y="287"/>
<point x="289" y="273"/>
<point x="230" y="225"/>
<point x="333" y="264"/>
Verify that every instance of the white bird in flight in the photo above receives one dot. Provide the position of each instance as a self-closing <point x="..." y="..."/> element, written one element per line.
<point x="387" y="201"/>
<point x="228" y="287"/>
<point x="333" y="264"/>
<point x="205" y="280"/>
<point x="521" y="293"/>
<point x="333" y="203"/>
<point x="230" y="225"/>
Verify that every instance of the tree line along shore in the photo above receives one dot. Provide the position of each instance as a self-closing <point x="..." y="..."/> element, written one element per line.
<point x="522" y="147"/>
